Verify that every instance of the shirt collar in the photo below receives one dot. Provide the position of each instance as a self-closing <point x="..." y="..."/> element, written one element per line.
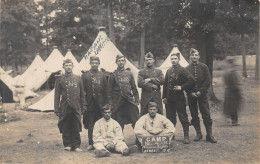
<point x="120" y="69"/>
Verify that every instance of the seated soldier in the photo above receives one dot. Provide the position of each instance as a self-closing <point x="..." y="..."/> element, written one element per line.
<point x="108" y="135"/>
<point x="153" y="124"/>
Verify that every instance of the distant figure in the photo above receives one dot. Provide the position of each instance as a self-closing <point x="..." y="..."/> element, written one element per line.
<point x="69" y="104"/>
<point x="150" y="80"/>
<point x="108" y="136"/>
<point x="233" y="96"/>
<point x="153" y="124"/>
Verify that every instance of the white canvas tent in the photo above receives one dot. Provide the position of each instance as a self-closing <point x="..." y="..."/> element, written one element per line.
<point x="8" y="87"/>
<point x="167" y="63"/>
<point x="84" y="63"/>
<point x="52" y="64"/>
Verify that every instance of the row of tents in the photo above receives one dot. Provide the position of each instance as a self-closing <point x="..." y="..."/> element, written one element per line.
<point x="40" y="71"/>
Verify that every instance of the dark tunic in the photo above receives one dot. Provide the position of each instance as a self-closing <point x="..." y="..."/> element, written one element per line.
<point x="121" y="88"/>
<point x="233" y="96"/>
<point x="95" y="87"/>
<point x="201" y="74"/>
<point x="177" y="76"/>
<point x="149" y="92"/>
<point x="69" y="91"/>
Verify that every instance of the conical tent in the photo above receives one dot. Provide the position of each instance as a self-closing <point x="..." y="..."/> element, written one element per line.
<point x="45" y="104"/>
<point x="167" y="63"/>
<point x="52" y="64"/>
<point x="107" y="52"/>
<point x="7" y="85"/>
<point x="76" y="69"/>
<point x="84" y="64"/>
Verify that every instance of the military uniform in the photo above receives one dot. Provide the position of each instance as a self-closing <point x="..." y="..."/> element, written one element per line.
<point x="95" y="87"/>
<point x="69" y="101"/>
<point x="202" y="83"/>
<point x="122" y="94"/>
<point x="151" y="91"/>
<point x="177" y="75"/>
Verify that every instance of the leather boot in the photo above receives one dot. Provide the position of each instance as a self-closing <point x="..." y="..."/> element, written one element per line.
<point x="199" y="134"/>
<point x="209" y="136"/>
<point x="186" y="135"/>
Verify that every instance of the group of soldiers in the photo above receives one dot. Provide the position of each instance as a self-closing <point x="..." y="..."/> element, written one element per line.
<point x="109" y="101"/>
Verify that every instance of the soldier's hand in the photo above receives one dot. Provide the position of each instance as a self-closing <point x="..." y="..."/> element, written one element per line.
<point x="198" y="93"/>
<point x="193" y="94"/>
<point x="147" y="80"/>
<point x="164" y="100"/>
<point x="110" y="146"/>
<point x="155" y="86"/>
<point x="177" y="88"/>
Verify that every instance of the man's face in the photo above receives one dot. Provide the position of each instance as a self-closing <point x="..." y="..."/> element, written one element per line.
<point x="194" y="57"/>
<point x="68" y="67"/>
<point x="149" y="62"/>
<point x="94" y="64"/>
<point x="107" y="114"/>
<point x="120" y="62"/>
<point x="175" y="60"/>
<point x="152" y="111"/>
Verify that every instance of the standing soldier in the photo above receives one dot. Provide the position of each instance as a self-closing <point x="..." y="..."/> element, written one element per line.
<point x="69" y="104"/>
<point x="150" y="80"/>
<point x="123" y="94"/>
<point x="177" y="79"/>
<point x="198" y="96"/>
<point x="95" y="86"/>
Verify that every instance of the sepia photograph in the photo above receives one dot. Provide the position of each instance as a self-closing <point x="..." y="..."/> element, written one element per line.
<point x="129" y="81"/>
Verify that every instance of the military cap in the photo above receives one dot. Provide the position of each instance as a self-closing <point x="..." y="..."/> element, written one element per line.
<point x="94" y="58"/>
<point x="119" y="56"/>
<point x="194" y="51"/>
<point x="176" y="54"/>
<point x="67" y="61"/>
<point x="149" y="55"/>
<point x="152" y="104"/>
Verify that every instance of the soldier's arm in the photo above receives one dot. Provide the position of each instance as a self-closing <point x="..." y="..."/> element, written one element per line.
<point x="159" y="80"/>
<point x="139" y="128"/>
<point x="189" y="80"/>
<point x="207" y="80"/>
<point x="118" y="133"/>
<point x="105" y="87"/>
<point x="57" y="95"/>
<point x="82" y="96"/>
<point x="133" y="87"/>
<point x="97" y="134"/>
<point x="165" y="85"/>
<point x="140" y="80"/>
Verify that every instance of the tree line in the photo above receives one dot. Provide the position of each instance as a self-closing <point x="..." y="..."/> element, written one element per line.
<point x="217" y="28"/>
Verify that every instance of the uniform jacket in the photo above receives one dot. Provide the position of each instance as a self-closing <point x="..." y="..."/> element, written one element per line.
<point x="148" y="90"/>
<point x="121" y="84"/>
<point x="95" y="86"/>
<point x="201" y="74"/>
<point x="69" y="91"/>
<point x="177" y="75"/>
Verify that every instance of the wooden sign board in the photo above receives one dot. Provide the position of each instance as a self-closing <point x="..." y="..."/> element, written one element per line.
<point x="156" y="144"/>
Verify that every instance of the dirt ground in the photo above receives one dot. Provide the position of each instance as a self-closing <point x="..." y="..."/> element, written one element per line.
<point x="33" y="137"/>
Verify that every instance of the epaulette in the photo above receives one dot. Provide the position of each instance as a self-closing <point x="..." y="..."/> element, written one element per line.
<point x="128" y="69"/>
<point x="58" y="74"/>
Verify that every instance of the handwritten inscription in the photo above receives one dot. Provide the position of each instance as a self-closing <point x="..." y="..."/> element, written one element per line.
<point x="98" y="45"/>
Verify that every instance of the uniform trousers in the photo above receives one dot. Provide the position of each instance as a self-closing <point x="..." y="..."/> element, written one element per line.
<point x="119" y="146"/>
<point x="177" y="106"/>
<point x="70" y="131"/>
<point x="202" y="103"/>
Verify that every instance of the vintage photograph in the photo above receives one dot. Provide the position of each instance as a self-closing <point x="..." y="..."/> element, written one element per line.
<point x="129" y="81"/>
